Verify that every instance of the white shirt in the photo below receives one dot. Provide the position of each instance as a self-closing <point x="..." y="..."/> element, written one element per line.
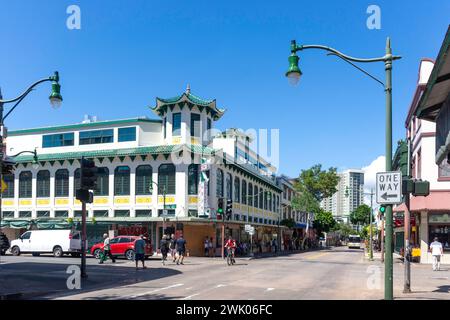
<point x="436" y="248"/>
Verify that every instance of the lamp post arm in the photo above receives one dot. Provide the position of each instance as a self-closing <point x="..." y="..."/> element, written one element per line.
<point x="27" y="91"/>
<point x="387" y="57"/>
<point x="22" y="152"/>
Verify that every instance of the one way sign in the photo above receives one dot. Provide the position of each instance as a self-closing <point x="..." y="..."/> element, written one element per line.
<point x="389" y="187"/>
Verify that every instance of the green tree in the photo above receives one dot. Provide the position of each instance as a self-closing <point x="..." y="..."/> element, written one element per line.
<point x="324" y="222"/>
<point x="361" y="216"/>
<point x="344" y="229"/>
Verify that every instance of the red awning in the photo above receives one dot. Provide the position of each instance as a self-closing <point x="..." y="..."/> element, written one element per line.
<point x="435" y="201"/>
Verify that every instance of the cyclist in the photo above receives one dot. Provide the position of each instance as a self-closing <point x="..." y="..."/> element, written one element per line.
<point x="230" y="245"/>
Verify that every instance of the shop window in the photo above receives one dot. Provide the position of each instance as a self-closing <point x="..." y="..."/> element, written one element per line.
<point x="143" y="213"/>
<point x="166" y="179"/>
<point x="43" y="184"/>
<point x="121" y="213"/>
<point x="61" y="214"/>
<point x="122" y="181"/>
<point x="101" y="213"/>
<point x="24" y="214"/>
<point x="442" y="232"/>
<point x="144" y="180"/>
<point x="8" y="214"/>
<point x="43" y="214"/>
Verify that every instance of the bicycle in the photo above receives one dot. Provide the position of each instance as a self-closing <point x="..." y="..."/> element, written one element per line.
<point x="230" y="257"/>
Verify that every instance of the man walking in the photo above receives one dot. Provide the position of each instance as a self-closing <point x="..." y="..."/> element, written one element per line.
<point x="436" y="252"/>
<point x="181" y="249"/>
<point x="164" y="247"/>
<point x="206" y="246"/>
<point x="139" y="251"/>
<point x="107" y="249"/>
<point x="173" y="251"/>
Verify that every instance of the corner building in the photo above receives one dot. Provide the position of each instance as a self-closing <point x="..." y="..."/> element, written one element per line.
<point x="144" y="164"/>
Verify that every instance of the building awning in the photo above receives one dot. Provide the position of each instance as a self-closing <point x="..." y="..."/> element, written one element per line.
<point x="435" y="201"/>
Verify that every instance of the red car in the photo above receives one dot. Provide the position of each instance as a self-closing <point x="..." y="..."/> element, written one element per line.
<point x="122" y="246"/>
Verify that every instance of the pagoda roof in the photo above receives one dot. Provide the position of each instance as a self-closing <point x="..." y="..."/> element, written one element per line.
<point x="186" y="99"/>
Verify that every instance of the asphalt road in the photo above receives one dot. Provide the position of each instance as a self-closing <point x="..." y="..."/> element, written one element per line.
<point x="327" y="274"/>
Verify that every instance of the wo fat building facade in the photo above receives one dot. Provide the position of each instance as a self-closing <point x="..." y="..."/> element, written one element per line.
<point x="145" y="166"/>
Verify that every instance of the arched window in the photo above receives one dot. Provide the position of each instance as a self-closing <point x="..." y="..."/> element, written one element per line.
<point x="278" y="204"/>
<point x="261" y="198"/>
<point x="166" y="179"/>
<point x="122" y="181"/>
<point x="250" y="194"/>
<point x="43" y="184"/>
<point x="62" y="183"/>
<point x="219" y="188"/>
<point x="193" y="176"/>
<point x="244" y="192"/>
<point x="144" y="180"/>
<point x="229" y="186"/>
<point x="255" y="197"/>
<point x="237" y="189"/>
<point x="265" y="200"/>
<point x="76" y="179"/>
<point x="9" y="180"/>
<point x="102" y="188"/>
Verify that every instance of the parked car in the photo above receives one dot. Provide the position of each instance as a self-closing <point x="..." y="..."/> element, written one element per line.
<point x="4" y="243"/>
<point x="58" y="242"/>
<point x="122" y="246"/>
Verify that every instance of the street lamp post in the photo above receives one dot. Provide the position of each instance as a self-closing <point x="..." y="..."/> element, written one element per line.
<point x="55" y="100"/>
<point x="164" y="201"/>
<point x="294" y="73"/>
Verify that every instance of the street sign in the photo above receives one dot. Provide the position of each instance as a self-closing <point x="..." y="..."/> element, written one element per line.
<point x="389" y="187"/>
<point x="247" y="227"/>
<point x="165" y="212"/>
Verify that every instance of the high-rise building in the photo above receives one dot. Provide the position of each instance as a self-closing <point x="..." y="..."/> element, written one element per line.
<point x="350" y="195"/>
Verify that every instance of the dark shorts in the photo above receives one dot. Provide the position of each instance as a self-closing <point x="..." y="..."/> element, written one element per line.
<point x="181" y="252"/>
<point x="139" y="257"/>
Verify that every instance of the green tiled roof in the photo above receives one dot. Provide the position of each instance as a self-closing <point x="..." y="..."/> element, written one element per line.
<point x="82" y="125"/>
<point x="163" y="149"/>
<point x="163" y="103"/>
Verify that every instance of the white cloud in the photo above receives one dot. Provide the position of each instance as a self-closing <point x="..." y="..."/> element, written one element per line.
<point x="370" y="171"/>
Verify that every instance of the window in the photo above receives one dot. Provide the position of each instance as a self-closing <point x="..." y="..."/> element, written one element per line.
<point x="237" y="189"/>
<point x="97" y="136"/>
<point x="7" y="214"/>
<point x="127" y="134"/>
<point x="58" y="140"/>
<point x="166" y="179"/>
<point x="62" y="183"/>
<point x="143" y="213"/>
<point x="244" y="192"/>
<point x="193" y="176"/>
<point x="9" y="181"/>
<point x="121" y="213"/>
<point x="229" y="186"/>
<point x="122" y="181"/>
<point x="76" y="179"/>
<point x="250" y="194"/>
<point x="101" y="213"/>
<point x="444" y="171"/>
<point x="419" y="164"/>
<point x="165" y="127"/>
<point x="208" y="127"/>
<point x="102" y="188"/>
<point x="193" y="213"/>
<point x="195" y="125"/>
<point x="24" y="214"/>
<point x="125" y="240"/>
<point x="25" y="188"/>
<point x="26" y="235"/>
<point x="255" y="197"/>
<point x="78" y="213"/>
<point x="261" y="198"/>
<point x="265" y="200"/>
<point x="176" y="124"/>
<point x="219" y="183"/>
<point x="61" y="214"/>
<point x="43" y="214"/>
<point x="170" y="212"/>
<point x="144" y="180"/>
<point x="43" y="184"/>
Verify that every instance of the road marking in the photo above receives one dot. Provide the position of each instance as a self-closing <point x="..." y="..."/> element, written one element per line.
<point x="317" y="256"/>
<point x="157" y="290"/>
<point x="270" y="289"/>
<point x="204" y="291"/>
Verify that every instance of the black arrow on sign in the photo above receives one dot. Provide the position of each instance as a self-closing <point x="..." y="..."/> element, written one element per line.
<point x="385" y="196"/>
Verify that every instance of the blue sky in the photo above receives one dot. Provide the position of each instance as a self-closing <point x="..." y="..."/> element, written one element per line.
<point x="129" y="52"/>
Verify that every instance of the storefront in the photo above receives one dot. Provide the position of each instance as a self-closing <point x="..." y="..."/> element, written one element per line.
<point x="434" y="224"/>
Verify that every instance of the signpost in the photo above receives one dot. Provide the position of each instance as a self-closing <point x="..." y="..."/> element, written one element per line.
<point x="389" y="187"/>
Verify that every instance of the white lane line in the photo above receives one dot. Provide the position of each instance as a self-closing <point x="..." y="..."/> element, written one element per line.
<point x="270" y="289"/>
<point x="157" y="290"/>
<point x="204" y="291"/>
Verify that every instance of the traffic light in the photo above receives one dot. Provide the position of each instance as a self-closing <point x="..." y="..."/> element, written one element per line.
<point x="382" y="209"/>
<point x="88" y="174"/>
<point x="220" y="208"/>
<point x="229" y="210"/>
<point x="84" y="195"/>
<point x="421" y="188"/>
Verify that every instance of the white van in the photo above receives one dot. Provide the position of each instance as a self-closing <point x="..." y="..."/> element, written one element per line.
<point x="58" y="242"/>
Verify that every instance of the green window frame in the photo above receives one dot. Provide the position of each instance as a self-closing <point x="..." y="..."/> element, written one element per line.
<point x="25" y="184"/>
<point x="122" y="181"/>
<point x="176" y="124"/>
<point x="62" y="183"/>
<point x="144" y="179"/>
<point x="58" y="140"/>
<point x="96" y="136"/>
<point x="166" y="178"/>
<point x="43" y="184"/>
<point x="126" y="134"/>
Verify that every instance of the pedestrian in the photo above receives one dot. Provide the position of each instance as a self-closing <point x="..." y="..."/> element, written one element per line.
<point x="436" y="252"/>
<point x="206" y="246"/>
<point x="139" y="251"/>
<point x="173" y="251"/>
<point x="181" y="249"/>
<point x="211" y="247"/>
<point x="107" y="249"/>
<point x="164" y="247"/>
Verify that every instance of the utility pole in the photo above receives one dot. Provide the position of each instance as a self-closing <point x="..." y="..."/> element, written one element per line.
<point x="370" y="223"/>
<point x="407" y="228"/>
<point x="382" y="238"/>
<point x="83" y="240"/>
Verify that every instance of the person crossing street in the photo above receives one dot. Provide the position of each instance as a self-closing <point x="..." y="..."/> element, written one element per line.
<point x="106" y="249"/>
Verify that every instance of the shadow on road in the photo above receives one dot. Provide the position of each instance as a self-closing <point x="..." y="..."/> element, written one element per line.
<point x="444" y="289"/>
<point x="24" y="280"/>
